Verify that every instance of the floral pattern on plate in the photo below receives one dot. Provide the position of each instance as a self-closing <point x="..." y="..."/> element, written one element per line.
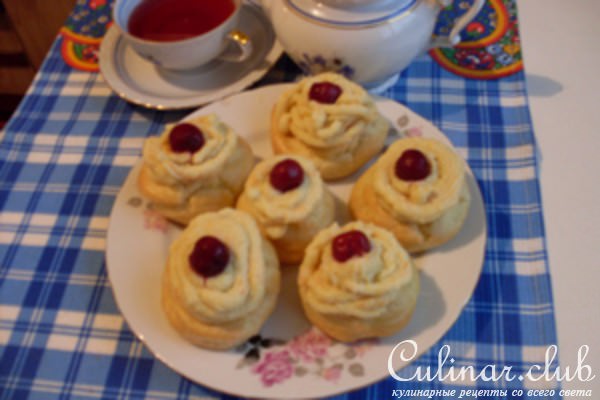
<point x="311" y="354"/>
<point x="152" y="219"/>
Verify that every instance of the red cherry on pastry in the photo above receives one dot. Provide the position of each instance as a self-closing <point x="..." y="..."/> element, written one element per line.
<point x="350" y="244"/>
<point x="186" y="138"/>
<point x="412" y="166"/>
<point x="209" y="257"/>
<point x="286" y="175"/>
<point x="325" y="92"/>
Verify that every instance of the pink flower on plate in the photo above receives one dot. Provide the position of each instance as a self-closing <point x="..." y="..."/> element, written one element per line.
<point x="332" y="374"/>
<point x="363" y="346"/>
<point x="155" y="221"/>
<point x="310" y="346"/>
<point x="414" y="132"/>
<point x="274" y="368"/>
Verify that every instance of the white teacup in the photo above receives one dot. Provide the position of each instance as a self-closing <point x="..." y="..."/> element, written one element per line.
<point x="224" y="42"/>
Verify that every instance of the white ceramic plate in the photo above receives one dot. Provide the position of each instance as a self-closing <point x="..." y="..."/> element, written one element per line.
<point x="303" y="362"/>
<point x="138" y="81"/>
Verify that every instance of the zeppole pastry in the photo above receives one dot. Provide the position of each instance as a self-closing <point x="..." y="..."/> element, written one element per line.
<point x="195" y="166"/>
<point x="290" y="202"/>
<point x="221" y="281"/>
<point x="358" y="282"/>
<point x="330" y="120"/>
<point x="417" y="190"/>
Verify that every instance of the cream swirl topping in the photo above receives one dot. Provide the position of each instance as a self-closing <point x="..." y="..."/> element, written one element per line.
<point x="361" y="286"/>
<point x="419" y="201"/>
<point x="200" y="167"/>
<point x="323" y="126"/>
<point x="240" y="288"/>
<point x="275" y="210"/>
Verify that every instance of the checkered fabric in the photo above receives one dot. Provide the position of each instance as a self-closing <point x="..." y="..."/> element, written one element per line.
<point x="65" y="154"/>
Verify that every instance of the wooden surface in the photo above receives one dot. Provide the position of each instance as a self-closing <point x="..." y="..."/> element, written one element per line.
<point x="36" y="22"/>
<point x="27" y="30"/>
<point x="16" y="72"/>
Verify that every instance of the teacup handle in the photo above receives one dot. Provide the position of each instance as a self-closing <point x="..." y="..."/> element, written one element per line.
<point x="453" y="37"/>
<point x="239" y="47"/>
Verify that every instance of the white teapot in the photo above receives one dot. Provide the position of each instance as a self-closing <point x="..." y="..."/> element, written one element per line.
<point x="369" y="41"/>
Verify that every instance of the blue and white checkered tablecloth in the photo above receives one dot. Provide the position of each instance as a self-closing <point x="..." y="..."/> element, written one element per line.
<point x="65" y="154"/>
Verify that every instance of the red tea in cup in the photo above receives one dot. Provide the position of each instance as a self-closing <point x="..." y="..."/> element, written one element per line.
<point x="173" y="20"/>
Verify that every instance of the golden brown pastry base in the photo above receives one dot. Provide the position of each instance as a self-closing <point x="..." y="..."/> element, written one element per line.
<point x="365" y="206"/>
<point x="331" y="169"/>
<point x="350" y="329"/>
<point x="231" y="334"/>
<point x="290" y="247"/>
<point x="173" y="203"/>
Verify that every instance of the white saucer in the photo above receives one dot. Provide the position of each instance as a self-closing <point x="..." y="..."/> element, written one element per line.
<point x="140" y="82"/>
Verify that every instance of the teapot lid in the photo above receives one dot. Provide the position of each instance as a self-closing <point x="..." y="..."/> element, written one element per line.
<point x="348" y="13"/>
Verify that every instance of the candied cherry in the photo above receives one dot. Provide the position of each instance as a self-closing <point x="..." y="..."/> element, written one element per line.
<point x="412" y="166"/>
<point x="350" y="244"/>
<point x="209" y="257"/>
<point x="286" y="175"/>
<point x="325" y="92"/>
<point x="186" y="138"/>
